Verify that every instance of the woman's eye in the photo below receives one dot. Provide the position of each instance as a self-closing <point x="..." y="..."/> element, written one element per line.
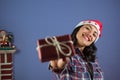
<point x="95" y="35"/>
<point x="87" y="28"/>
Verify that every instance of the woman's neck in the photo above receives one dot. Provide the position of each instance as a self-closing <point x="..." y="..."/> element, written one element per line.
<point x="80" y="48"/>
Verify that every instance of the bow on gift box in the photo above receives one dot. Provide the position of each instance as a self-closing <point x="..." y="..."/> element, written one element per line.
<point x="58" y="45"/>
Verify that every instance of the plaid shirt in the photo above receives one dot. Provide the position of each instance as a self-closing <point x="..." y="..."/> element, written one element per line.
<point x="76" y="69"/>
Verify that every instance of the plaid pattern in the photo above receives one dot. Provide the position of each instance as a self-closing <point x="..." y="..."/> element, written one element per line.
<point x="77" y="70"/>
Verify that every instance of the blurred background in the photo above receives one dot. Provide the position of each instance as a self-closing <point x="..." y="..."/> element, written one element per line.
<point x="30" y="20"/>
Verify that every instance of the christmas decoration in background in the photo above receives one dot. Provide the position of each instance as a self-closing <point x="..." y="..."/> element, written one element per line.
<point x="7" y="49"/>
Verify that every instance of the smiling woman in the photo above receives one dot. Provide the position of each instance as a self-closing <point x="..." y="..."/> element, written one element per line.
<point x="83" y="65"/>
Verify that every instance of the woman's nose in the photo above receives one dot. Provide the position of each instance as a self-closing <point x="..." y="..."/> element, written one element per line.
<point x="90" y="33"/>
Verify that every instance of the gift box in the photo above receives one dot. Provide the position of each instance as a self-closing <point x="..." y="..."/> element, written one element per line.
<point x="55" y="47"/>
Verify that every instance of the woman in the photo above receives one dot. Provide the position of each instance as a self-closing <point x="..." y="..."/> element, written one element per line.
<point x="83" y="65"/>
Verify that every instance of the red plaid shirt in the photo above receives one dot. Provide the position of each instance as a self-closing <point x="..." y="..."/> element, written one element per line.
<point x="76" y="69"/>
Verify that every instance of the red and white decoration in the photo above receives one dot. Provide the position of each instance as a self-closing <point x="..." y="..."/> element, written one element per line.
<point x="6" y="64"/>
<point x="7" y="49"/>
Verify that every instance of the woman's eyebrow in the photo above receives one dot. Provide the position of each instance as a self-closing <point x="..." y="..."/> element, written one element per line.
<point x="89" y="26"/>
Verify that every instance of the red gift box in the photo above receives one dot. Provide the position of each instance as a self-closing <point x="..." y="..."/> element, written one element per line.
<point x="55" y="47"/>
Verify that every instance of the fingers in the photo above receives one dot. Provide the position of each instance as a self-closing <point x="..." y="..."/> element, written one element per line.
<point x="59" y="63"/>
<point x="53" y="64"/>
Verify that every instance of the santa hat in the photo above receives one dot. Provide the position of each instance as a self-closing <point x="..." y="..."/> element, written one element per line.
<point x="95" y="23"/>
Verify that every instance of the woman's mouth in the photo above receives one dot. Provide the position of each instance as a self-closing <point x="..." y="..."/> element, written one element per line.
<point x="86" y="37"/>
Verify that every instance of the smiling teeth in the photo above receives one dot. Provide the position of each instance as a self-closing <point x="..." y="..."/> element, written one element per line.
<point x="86" y="38"/>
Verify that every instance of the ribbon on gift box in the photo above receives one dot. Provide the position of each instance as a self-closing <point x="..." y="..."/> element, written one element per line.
<point x="58" y="45"/>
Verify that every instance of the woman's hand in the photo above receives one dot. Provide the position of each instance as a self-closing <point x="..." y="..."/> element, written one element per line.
<point x="59" y="63"/>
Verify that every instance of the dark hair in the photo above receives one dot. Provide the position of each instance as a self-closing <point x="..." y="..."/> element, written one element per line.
<point x="89" y="51"/>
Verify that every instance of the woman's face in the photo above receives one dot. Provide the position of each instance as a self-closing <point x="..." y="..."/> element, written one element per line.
<point x="86" y="35"/>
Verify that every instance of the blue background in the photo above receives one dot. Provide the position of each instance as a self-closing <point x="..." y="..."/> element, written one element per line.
<point x="30" y="20"/>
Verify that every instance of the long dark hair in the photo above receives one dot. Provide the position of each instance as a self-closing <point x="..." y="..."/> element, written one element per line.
<point x="89" y="51"/>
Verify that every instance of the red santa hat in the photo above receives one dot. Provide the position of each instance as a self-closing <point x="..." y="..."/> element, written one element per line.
<point x="95" y="23"/>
